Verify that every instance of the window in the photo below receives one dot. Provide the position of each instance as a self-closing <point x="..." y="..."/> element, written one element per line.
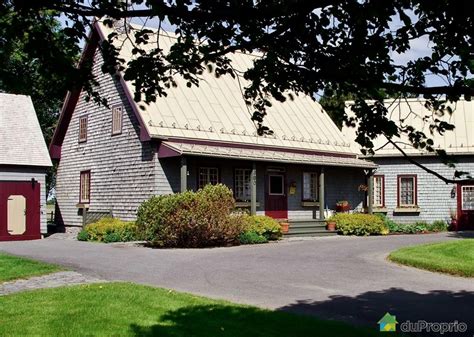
<point x="310" y="186"/>
<point x="117" y="120"/>
<point x="208" y="175"/>
<point x="85" y="187"/>
<point x="467" y="198"/>
<point x="242" y="184"/>
<point x="276" y="184"/>
<point x="83" y="129"/>
<point x="379" y="191"/>
<point x="406" y="191"/>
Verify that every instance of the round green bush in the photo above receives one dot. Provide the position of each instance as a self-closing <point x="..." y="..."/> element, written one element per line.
<point x="112" y="237"/>
<point x="251" y="237"/>
<point x="359" y="224"/>
<point x="83" y="235"/>
<point x="191" y="219"/>
<point x="263" y="225"/>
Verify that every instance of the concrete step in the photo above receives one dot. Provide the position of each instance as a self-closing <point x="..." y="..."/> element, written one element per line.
<point x="306" y="220"/>
<point x="310" y="233"/>
<point x="307" y="224"/>
<point x="306" y="229"/>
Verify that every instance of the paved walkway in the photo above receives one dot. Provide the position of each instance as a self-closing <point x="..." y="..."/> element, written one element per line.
<point x="59" y="279"/>
<point x="344" y="278"/>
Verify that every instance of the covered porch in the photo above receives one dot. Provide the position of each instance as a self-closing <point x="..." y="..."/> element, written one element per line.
<point x="288" y="185"/>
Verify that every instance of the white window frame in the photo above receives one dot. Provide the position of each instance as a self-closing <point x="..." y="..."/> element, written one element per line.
<point x="270" y="184"/>
<point x="83" y="125"/>
<point x="415" y="187"/>
<point x="209" y="172"/>
<point x="379" y="182"/>
<point x="242" y="186"/>
<point x="85" y="187"/>
<point x="117" y="120"/>
<point x="462" y="197"/>
<point x="312" y="184"/>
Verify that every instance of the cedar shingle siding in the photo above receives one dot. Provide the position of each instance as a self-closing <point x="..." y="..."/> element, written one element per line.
<point x="124" y="171"/>
<point x="433" y="195"/>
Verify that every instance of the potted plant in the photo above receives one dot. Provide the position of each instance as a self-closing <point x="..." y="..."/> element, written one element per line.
<point x="343" y="206"/>
<point x="285" y="227"/>
<point x="331" y="225"/>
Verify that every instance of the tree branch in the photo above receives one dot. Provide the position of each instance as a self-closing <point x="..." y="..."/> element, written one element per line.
<point x="439" y="90"/>
<point x="414" y="162"/>
<point x="298" y="7"/>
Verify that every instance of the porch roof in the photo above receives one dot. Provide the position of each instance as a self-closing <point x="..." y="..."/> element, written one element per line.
<point x="279" y="155"/>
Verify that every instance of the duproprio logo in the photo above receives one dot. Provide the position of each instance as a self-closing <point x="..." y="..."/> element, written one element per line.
<point x="388" y="323"/>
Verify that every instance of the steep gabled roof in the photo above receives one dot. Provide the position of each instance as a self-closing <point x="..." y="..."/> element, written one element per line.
<point x="21" y="139"/>
<point x="216" y="111"/>
<point x="413" y="112"/>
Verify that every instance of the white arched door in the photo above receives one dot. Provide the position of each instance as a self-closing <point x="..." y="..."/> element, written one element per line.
<point x="16" y="214"/>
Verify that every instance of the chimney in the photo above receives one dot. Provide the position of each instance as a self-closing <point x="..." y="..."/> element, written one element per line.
<point x="122" y="25"/>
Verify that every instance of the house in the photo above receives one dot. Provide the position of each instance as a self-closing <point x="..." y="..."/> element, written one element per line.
<point x="113" y="158"/>
<point x="24" y="161"/>
<point x="406" y="192"/>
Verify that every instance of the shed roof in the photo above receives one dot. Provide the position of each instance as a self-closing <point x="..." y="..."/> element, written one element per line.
<point x="414" y="113"/>
<point x="216" y="110"/>
<point x="21" y="139"/>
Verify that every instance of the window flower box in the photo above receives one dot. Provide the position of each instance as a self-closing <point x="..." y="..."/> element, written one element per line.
<point x="343" y="206"/>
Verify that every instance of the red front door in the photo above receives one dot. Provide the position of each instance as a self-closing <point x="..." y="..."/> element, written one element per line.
<point x="276" y="199"/>
<point x="19" y="210"/>
<point x="465" y="193"/>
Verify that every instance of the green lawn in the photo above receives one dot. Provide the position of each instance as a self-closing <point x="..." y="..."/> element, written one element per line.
<point x="124" y="309"/>
<point x="455" y="257"/>
<point x="13" y="267"/>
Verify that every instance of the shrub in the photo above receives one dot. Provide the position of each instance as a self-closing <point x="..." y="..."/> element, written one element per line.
<point x="438" y="226"/>
<point x="111" y="230"/>
<point x="191" y="219"/>
<point x="83" y="235"/>
<point x="251" y="237"/>
<point x="391" y="225"/>
<point x="417" y="227"/>
<point x="112" y="237"/>
<point x="359" y="224"/>
<point x="263" y="226"/>
<point x="411" y="228"/>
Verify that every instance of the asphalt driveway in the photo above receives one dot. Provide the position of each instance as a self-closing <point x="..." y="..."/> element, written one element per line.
<point x="345" y="278"/>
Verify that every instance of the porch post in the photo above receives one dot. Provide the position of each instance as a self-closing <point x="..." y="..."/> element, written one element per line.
<point x="321" y="194"/>
<point x="370" y="188"/>
<point x="253" y="190"/>
<point x="184" y="174"/>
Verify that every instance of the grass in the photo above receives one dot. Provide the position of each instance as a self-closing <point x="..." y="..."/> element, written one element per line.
<point x="125" y="309"/>
<point x="455" y="257"/>
<point x="13" y="267"/>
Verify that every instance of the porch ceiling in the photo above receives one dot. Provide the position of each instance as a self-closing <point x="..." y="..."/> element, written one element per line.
<point x="234" y="151"/>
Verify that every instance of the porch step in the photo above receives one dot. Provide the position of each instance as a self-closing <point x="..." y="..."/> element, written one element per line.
<point x="309" y="234"/>
<point x="304" y="224"/>
<point x="308" y="227"/>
